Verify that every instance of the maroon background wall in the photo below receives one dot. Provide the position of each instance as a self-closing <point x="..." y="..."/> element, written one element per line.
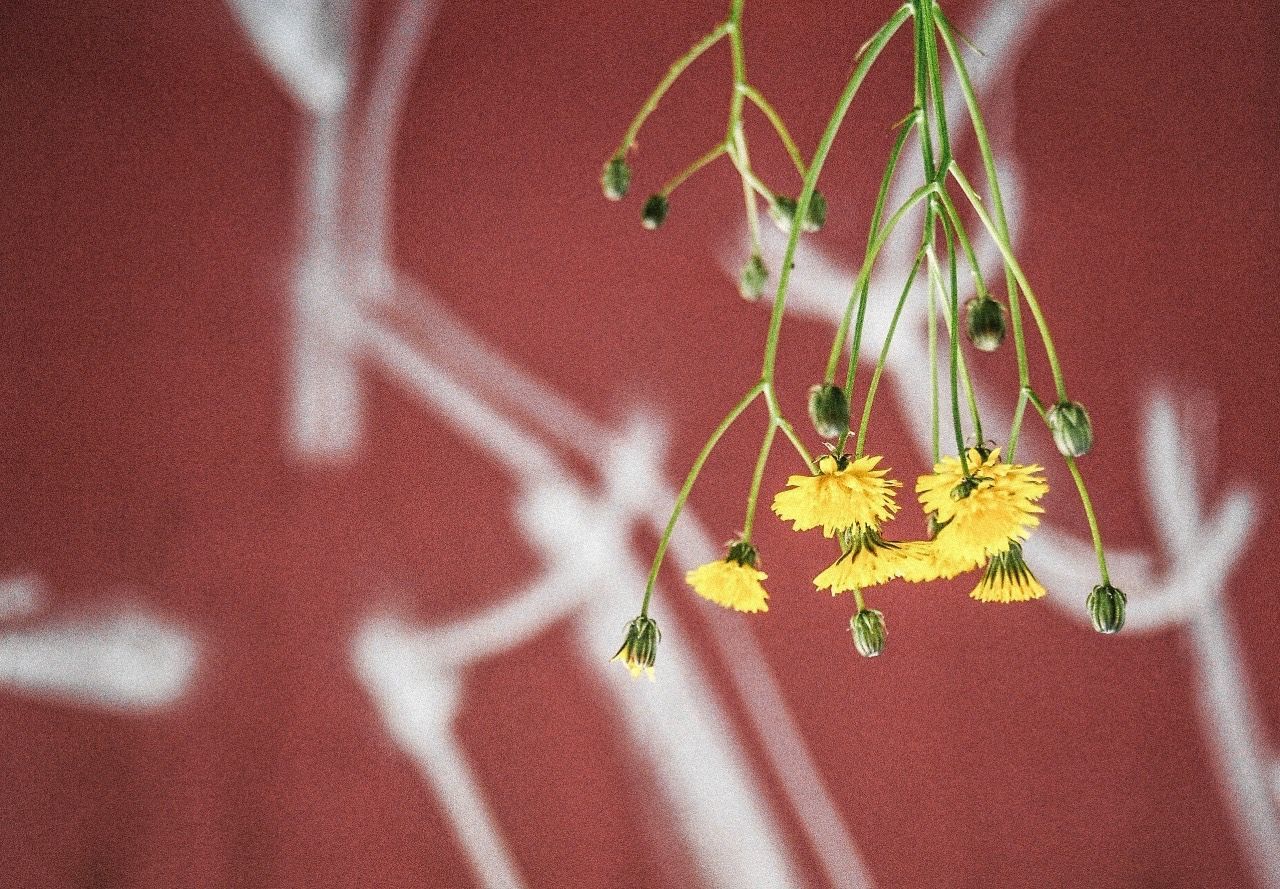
<point x="154" y="171"/>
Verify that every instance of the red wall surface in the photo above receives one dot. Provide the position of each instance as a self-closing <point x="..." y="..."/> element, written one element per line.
<point x="269" y="727"/>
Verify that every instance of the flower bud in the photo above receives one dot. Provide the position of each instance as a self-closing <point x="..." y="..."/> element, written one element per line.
<point x="1072" y="430"/>
<point x="742" y="552"/>
<point x="616" y="179"/>
<point x="655" y="211"/>
<point x="782" y="210"/>
<point x="985" y="323"/>
<point x="829" y="410"/>
<point x="1106" y="608"/>
<point x="869" y="632"/>
<point x="639" y="649"/>
<point x="753" y="278"/>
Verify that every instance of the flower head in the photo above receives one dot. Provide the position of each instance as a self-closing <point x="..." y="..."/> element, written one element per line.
<point x="869" y="632"/>
<point x="868" y="560"/>
<point x="734" y="581"/>
<point x="843" y="494"/>
<point x="640" y="647"/>
<point x="983" y="512"/>
<point x="1008" y="579"/>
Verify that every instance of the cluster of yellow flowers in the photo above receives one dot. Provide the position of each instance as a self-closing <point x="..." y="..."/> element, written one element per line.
<point x="979" y="517"/>
<point x="980" y="507"/>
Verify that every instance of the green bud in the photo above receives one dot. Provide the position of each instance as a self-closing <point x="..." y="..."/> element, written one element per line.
<point x="1072" y="430"/>
<point x="639" y="649"/>
<point x="753" y="278"/>
<point x="782" y="210"/>
<point x="869" y="632"/>
<point x="655" y="211"/>
<point x="1106" y="608"/>
<point x="985" y="322"/>
<point x="616" y="179"/>
<point x="743" y="553"/>
<point x="829" y="410"/>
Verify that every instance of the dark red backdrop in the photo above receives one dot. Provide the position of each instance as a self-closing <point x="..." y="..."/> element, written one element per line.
<point x="150" y="167"/>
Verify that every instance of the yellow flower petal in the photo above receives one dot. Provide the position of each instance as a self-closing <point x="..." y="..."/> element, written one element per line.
<point x="730" y="584"/>
<point x="1000" y="507"/>
<point x="836" y="497"/>
<point x="869" y="561"/>
<point x="1008" y="579"/>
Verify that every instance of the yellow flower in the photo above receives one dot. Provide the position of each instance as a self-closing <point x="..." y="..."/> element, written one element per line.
<point x="733" y="582"/>
<point x="983" y="512"/>
<point x="639" y="649"/>
<point x="1008" y="579"/>
<point x="927" y="560"/>
<point x="844" y="493"/>
<point x="868" y="560"/>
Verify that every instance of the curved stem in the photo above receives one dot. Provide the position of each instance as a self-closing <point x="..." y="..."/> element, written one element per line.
<point x="1093" y="519"/>
<point x="736" y="135"/>
<point x="874" y="47"/>
<point x="748" y="524"/>
<point x="771" y="399"/>
<point x="953" y="327"/>
<point x="1011" y="262"/>
<point x="884" y="355"/>
<point x="779" y="127"/>
<point x="953" y="330"/>
<point x="673" y="74"/>
<point x="687" y="487"/>
<point x="677" y="180"/>
<point x="886" y="181"/>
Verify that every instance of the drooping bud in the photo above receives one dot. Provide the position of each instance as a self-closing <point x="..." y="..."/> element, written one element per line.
<point x="829" y="410"/>
<point x="782" y="210"/>
<point x="753" y="278"/>
<point x="984" y="319"/>
<point x="616" y="179"/>
<point x="655" y="211"/>
<point x="869" y="632"/>
<point x="639" y="649"/>
<point x="1106" y="608"/>
<point x="742" y="552"/>
<point x="1072" y="430"/>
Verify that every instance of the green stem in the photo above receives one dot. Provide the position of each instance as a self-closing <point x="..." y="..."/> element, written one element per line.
<point x="677" y="180"/>
<point x="993" y="185"/>
<point x="884" y="355"/>
<point x="953" y="330"/>
<point x="748" y="524"/>
<point x="687" y="487"/>
<point x="736" y="134"/>
<point x="874" y="47"/>
<point x="1011" y="262"/>
<point x="934" y="70"/>
<point x="779" y="127"/>
<point x="1015" y="427"/>
<point x="922" y="93"/>
<point x="965" y="378"/>
<point x="673" y="73"/>
<point x="886" y="181"/>
<point x="933" y="375"/>
<point x="775" y="412"/>
<point x="1093" y="519"/>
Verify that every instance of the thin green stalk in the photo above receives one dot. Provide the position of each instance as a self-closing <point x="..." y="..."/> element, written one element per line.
<point x="775" y="412"/>
<point x="886" y="182"/>
<point x="952" y="229"/>
<point x="933" y="376"/>
<point x="884" y="355"/>
<point x="954" y="332"/>
<point x="736" y="134"/>
<point x="1015" y="427"/>
<point x="864" y="279"/>
<point x="748" y="524"/>
<point x="779" y="127"/>
<point x="749" y="177"/>
<point x="874" y="47"/>
<point x="1093" y="519"/>
<point x="934" y="68"/>
<point x="673" y="74"/>
<point x="1011" y="261"/>
<point x="687" y="487"/>
<point x="993" y="185"/>
<point x="922" y="94"/>
<point x="677" y="180"/>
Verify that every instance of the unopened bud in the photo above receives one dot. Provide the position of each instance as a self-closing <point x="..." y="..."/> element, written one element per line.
<point x="639" y="649"/>
<point x="829" y="410"/>
<point x="782" y="210"/>
<point x="743" y="553"/>
<point x="985" y="323"/>
<point x="753" y="278"/>
<point x="1106" y="608"/>
<point x="655" y="211"/>
<point x="616" y="179"/>
<point x="1072" y="430"/>
<point x="869" y="632"/>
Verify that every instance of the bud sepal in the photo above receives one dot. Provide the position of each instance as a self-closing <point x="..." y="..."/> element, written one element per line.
<point x="1106" y="606"/>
